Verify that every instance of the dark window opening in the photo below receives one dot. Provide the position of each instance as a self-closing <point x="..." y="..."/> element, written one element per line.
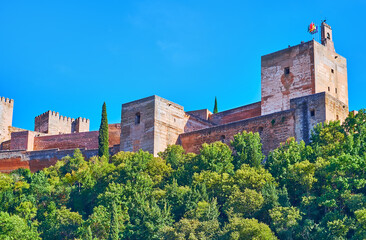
<point x="332" y="70"/>
<point x="137" y="118"/>
<point x="222" y="138"/>
<point x="287" y="70"/>
<point x="328" y="89"/>
<point x="312" y="113"/>
<point x="328" y="36"/>
<point x="260" y="130"/>
<point x="337" y="117"/>
<point x="336" y="90"/>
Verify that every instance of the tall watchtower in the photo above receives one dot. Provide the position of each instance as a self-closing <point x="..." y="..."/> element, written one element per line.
<point x="6" y="118"/>
<point x="150" y="124"/>
<point x="302" y="70"/>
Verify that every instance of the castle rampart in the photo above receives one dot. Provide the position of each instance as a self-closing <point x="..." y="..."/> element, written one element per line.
<point x="301" y="86"/>
<point x="53" y="123"/>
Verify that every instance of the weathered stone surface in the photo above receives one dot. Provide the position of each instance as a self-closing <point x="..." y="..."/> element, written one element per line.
<point x="53" y="123"/>
<point x="273" y="128"/>
<point x="237" y="114"/>
<point x="6" y="118"/>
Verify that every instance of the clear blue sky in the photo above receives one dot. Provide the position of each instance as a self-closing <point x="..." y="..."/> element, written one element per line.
<point x="70" y="56"/>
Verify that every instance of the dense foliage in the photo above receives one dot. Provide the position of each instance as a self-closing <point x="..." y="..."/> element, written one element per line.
<point x="298" y="191"/>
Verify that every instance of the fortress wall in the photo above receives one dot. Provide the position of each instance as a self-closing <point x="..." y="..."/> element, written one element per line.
<point x="309" y="111"/>
<point x="335" y="109"/>
<point x="81" y="125"/>
<point x="273" y="128"/>
<point x="66" y="141"/>
<point x="203" y="113"/>
<point x="5" y="145"/>
<point x="53" y="123"/>
<point x="237" y="114"/>
<point x="193" y="123"/>
<point x="37" y="160"/>
<point x="87" y="140"/>
<point x="278" y="87"/>
<point x="114" y="131"/>
<point x="23" y="140"/>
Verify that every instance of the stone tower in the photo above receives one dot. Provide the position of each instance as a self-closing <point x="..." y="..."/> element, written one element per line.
<point x="302" y="70"/>
<point x="53" y="123"/>
<point x="150" y="124"/>
<point x="6" y="118"/>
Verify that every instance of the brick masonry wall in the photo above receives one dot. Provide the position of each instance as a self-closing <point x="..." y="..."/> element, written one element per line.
<point x="237" y="114"/>
<point x="202" y="114"/>
<point x="273" y="128"/>
<point x="277" y="87"/>
<point x="87" y="140"/>
<point x="193" y="123"/>
<point x="37" y="160"/>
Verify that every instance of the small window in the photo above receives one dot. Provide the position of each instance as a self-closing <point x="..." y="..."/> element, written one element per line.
<point x="328" y="89"/>
<point x="312" y="113"/>
<point x="328" y="36"/>
<point x="335" y="90"/>
<point x="337" y="117"/>
<point x="287" y="70"/>
<point x="222" y="138"/>
<point x="332" y="70"/>
<point x="137" y="118"/>
<point x="260" y="130"/>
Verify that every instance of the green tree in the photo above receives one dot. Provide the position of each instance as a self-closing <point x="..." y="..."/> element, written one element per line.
<point x="244" y="204"/>
<point x="14" y="227"/>
<point x="216" y="157"/>
<point x="247" y="229"/>
<point x="215" y="107"/>
<point x="103" y="139"/>
<point x="284" y="220"/>
<point x="113" y="230"/>
<point x="248" y="149"/>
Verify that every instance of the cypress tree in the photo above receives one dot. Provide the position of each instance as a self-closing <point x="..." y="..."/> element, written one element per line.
<point x="103" y="149"/>
<point x="215" y="107"/>
<point x="113" y="227"/>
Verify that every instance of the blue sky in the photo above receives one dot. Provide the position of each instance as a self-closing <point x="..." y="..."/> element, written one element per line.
<point x="70" y="56"/>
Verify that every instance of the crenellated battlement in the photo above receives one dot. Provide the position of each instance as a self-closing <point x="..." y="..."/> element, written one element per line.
<point x="52" y="122"/>
<point x="84" y="120"/>
<point x="6" y="100"/>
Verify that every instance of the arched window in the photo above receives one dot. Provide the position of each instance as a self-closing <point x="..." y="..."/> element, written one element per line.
<point x="328" y="36"/>
<point x="137" y="118"/>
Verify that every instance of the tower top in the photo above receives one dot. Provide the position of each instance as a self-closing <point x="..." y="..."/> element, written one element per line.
<point x="327" y="36"/>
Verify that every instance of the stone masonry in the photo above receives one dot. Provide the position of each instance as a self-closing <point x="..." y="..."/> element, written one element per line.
<point x="301" y="86"/>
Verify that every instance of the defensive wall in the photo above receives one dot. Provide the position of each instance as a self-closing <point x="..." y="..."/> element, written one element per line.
<point x="37" y="160"/>
<point x="53" y="123"/>
<point x="301" y="86"/>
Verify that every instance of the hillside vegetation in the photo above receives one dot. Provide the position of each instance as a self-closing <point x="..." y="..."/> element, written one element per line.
<point x="298" y="191"/>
